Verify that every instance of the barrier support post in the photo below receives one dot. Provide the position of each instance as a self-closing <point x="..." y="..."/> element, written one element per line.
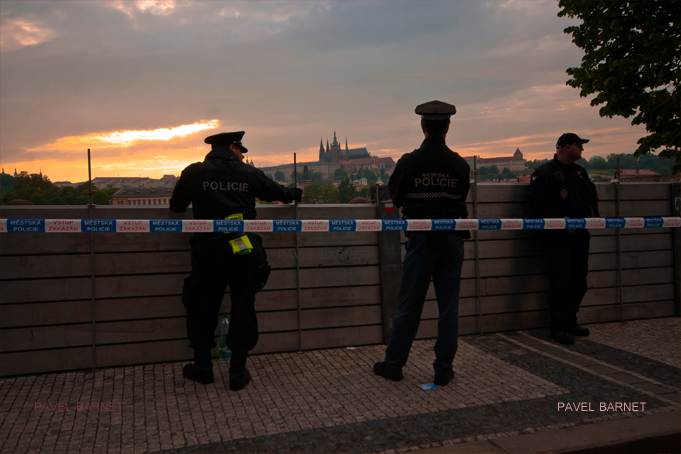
<point x="618" y="252"/>
<point x="295" y="234"/>
<point x="91" y="214"/>
<point x="676" y="241"/>
<point x="478" y="299"/>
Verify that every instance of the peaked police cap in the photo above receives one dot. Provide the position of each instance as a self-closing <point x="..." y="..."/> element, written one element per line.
<point x="226" y="139"/>
<point x="435" y="110"/>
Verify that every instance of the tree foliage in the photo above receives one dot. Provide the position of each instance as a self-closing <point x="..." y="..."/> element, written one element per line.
<point x="346" y="190"/>
<point x="632" y="62"/>
<point x="7" y="182"/>
<point x="648" y="161"/>
<point x="279" y="176"/>
<point x="329" y="194"/>
<point x="339" y="174"/>
<point x="39" y="190"/>
<point x="317" y="177"/>
<point x="312" y="193"/>
<point x="506" y="173"/>
<point x="365" y="192"/>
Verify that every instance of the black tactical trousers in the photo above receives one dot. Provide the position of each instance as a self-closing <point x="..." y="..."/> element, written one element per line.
<point x="438" y="255"/>
<point x="204" y="291"/>
<point x="568" y="264"/>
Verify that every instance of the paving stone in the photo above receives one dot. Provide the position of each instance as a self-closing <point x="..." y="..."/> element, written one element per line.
<point x="652" y="388"/>
<point x="330" y="401"/>
<point x="645" y="347"/>
<point x="676" y="397"/>
<point x="602" y="369"/>
<point x="626" y="378"/>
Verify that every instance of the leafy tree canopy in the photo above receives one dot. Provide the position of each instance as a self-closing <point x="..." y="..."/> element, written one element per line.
<point x="329" y="194"/>
<point x="339" y="174"/>
<point x="312" y="193"/>
<point x="365" y="192"/>
<point x="39" y="190"/>
<point x="632" y="62"/>
<point x="316" y="177"/>
<point x="346" y="190"/>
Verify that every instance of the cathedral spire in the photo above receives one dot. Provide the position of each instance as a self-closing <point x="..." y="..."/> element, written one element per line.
<point x="322" y="155"/>
<point x="346" y="143"/>
<point x="335" y="141"/>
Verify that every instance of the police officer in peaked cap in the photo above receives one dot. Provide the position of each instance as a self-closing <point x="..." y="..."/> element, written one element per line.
<point x="222" y="187"/>
<point x="431" y="182"/>
<point x="562" y="189"/>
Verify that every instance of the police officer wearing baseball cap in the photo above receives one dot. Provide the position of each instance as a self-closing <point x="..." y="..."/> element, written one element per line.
<point x="562" y="189"/>
<point x="431" y="182"/>
<point x="222" y="187"/>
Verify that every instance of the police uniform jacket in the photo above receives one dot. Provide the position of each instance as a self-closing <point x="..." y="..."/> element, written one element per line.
<point x="222" y="185"/>
<point x="558" y="190"/>
<point x="431" y="182"/>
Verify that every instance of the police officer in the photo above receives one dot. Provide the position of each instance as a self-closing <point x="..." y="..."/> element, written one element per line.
<point x="223" y="186"/>
<point x="431" y="182"/>
<point x="562" y="189"/>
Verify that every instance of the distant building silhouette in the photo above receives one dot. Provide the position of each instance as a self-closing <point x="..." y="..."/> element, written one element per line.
<point x="330" y="158"/>
<point x="334" y="153"/>
<point x="515" y="163"/>
<point x="142" y="196"/>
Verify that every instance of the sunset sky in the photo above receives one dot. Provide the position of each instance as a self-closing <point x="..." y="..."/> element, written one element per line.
<point x="141" y="83"/>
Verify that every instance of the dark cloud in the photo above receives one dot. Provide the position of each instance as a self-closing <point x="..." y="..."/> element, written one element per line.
<point x="288" y="70"/>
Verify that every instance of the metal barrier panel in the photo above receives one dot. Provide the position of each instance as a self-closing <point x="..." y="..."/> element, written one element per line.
<point x="46" y="318"/>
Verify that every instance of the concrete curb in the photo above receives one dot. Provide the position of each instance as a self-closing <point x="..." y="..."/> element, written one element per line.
<point x="587" y="437"/>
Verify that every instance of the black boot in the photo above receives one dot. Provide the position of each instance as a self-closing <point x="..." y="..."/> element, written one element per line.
<point x="563" y="337"/>
<point x="578" y="330"/>
<point x="443" y="380"/>
<point x="239" y="381"/>
<point x="239" y="376"/>
<point x="201" y="370"/>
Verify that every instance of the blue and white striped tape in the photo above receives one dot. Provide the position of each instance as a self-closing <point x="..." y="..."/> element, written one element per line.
<point x="328" y="225"/>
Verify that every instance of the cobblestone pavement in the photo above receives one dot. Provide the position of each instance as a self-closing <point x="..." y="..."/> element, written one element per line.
<point x="330" y="401"/>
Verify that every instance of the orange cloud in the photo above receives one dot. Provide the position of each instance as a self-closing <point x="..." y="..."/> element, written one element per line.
<point x="21" y="32"/>
<point x="125" y="139"/>
<point x="156" y="7"/>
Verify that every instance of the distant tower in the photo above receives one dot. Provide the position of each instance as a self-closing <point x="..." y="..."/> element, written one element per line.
<point x="346" y="143"/>
<point x="335" y="149"/>
<point x="518" y="154"/>
<point x="15" y="172"/>
<point x="322" y="155"/>
<point x="327" y="144"/>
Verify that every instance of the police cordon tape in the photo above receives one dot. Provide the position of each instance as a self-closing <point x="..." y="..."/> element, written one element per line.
<point x="327" y="225"/>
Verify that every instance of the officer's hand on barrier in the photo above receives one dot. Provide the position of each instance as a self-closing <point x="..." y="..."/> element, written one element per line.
<point x="297" y="194"/>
